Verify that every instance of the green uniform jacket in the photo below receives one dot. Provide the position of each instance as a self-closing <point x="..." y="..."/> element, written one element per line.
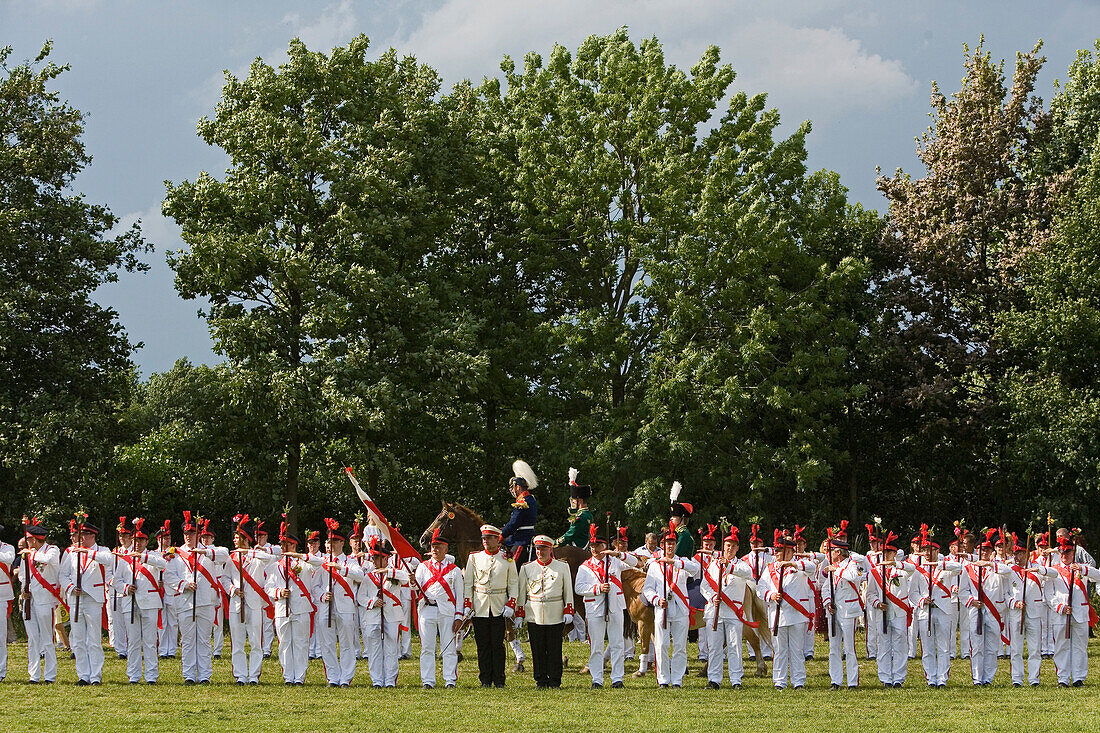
<point x="577" y="534"/>
<point x="685" y="543"/>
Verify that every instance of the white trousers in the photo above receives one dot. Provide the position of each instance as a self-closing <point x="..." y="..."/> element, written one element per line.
<point x="293" y="632"/>
<point x="382" y="652"/>
<point x="984" y="646"/>
<point x="142" y="641"/>
<point x="247" y="665"/>
<point x="724" y="641"/>
<point x="914" y="634"/>
<point x="195" y="633"/>
<point x="436" y="627"/>
<point x="893" y="651"/>
<point x="170" y="634"/>
<point x="671" y="668"/>
<point x="218" y="640"/>
<point x="1071" y="659"/>
<point x="268" y="634"/>
<point x="611" y="630"/>
<point x="937" y="646"/>
<point x="842" y="651"/>
<point x="118" y="620"/>
<point x="1046" y="624"/>
<point x="963" y="622"/>
<point x="789" y="657"/>
<point x="41" y="653"/>
<point x="874" y="631"/>
<point x="339" y="650"/>
<point x="406" y="635"/>
<point x="86" y="640"/>
<point x="1032" y="636"/>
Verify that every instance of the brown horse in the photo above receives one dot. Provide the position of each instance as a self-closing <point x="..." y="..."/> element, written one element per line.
<point x="634" y="579"/>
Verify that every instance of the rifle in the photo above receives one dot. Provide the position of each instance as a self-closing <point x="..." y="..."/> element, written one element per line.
<point x="331" y="598"/>
<point x="664" y="616"/>
<point x="981" y="599"/>
<point x="931" y="578"/>
<point x="1023" y="595"/>
<point x="718" y="595"/>
<point x="1069" y="601"/>
<point x="832" y="583"/>
<point x="133" y="578"/>
<point x="606" y="578"/>
<point x="287" y="579"/>
<point x="882" y="566"/>
<point x="195" y="582"/>
<point x="240" y="572"/>
<point x="79" y="570"/>
<point x="778" y="601"/>
<point x="26" y="586"/>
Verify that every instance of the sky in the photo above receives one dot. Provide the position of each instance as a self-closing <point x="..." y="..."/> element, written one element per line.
<point x="145" y="71"/>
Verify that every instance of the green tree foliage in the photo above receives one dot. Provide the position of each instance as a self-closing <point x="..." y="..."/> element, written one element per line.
<point x="65" y="367"/>
<point x="318" y="254"/>
<point x="656" y="238"/>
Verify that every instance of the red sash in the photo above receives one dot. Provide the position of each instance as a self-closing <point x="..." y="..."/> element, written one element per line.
<point x="972" y="572"/>
<point x="157" y="588"/>
<point x="737" y="609"/>
<point x="437" y="576"/>
<point x="305" y="594"/>
<point x="54" y="590"/>
<point x="892" y="598"/>
<point x="192" y="561"/>
<point x="786" y="596"/>
<point x="670" y="575"/>
<point x="269" y="607"/>
<point x="341" y="581"/>
<point x="931" y="577"/>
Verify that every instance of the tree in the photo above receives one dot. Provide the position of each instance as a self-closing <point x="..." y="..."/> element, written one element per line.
<point x="956" y="239"/>
<point x="65" y="367"/>
<point x="318" y="253"/>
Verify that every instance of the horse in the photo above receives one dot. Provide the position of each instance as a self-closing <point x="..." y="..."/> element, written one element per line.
<point x="462" y="526"/>
<point x="642" y="614"/>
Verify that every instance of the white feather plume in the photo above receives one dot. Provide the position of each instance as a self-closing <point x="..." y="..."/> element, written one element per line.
<point x="573" y="473"/>
<point x="520" y="468"/>
<point x="675" y="493"/>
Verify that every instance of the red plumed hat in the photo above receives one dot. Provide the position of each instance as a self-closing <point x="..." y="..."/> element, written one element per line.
<point x="188" y="526"/>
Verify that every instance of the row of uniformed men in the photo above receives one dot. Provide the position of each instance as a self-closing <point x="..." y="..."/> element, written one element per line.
<point x="998" y="598"/>
<point x="332" y="597"/>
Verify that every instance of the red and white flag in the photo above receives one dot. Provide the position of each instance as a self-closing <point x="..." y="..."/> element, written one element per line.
<point x="401" y="545"/>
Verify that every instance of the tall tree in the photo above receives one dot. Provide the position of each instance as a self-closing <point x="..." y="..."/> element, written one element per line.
<point x="317" y="252"/>
<point x="957" y="237"/>
<point x="65" y="365"/>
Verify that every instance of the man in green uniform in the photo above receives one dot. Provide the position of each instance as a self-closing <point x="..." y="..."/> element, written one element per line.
<point x="580" y="517"/>
<point x="685" y="543"/>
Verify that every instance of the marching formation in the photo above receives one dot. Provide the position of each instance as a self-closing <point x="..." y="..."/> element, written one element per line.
<point x="986" y="598"/>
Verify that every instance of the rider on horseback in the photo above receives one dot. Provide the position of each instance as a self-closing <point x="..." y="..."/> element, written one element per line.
<point x="580" y="517"/>
<point x="520" y="529"/>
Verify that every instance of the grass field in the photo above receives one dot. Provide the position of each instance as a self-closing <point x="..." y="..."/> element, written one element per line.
<point x="223" y="706"/>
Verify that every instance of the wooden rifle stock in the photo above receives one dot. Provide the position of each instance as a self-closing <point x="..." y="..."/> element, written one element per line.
<point x="931" y="578"/>
<point x="664" y="616"/>
<point x="287" y="580"/>
<point x="832" y="590"/>
<point x="331" y="598"/>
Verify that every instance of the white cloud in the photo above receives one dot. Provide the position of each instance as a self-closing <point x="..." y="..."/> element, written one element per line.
<point x="808" y="65"/>
<point x="336" y="25"/>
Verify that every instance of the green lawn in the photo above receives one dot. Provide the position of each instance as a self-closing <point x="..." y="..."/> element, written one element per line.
<point x="222" y="705"/>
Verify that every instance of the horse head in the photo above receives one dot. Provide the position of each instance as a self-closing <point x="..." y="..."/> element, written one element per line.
<point x="445" y="515"/>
